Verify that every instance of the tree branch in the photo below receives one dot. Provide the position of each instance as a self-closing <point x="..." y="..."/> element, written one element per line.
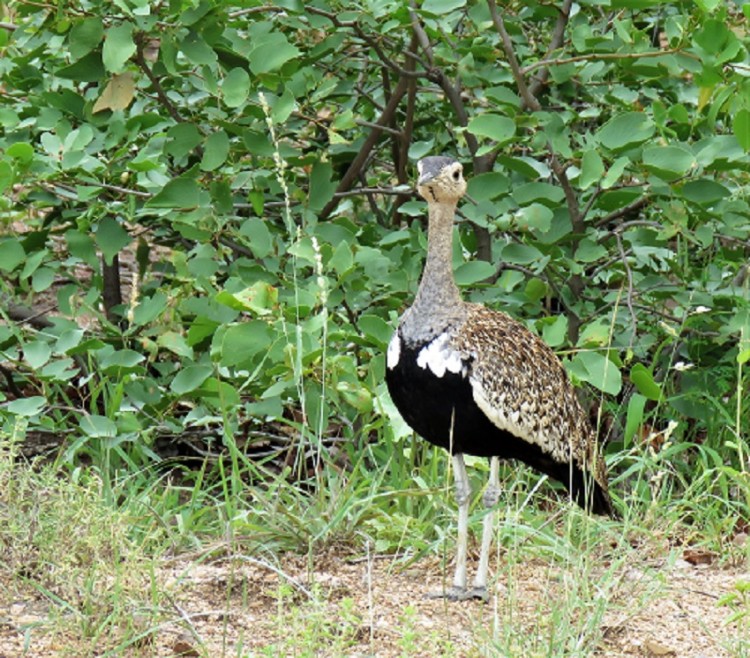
<point x="354" y="168"/>
<point x="558" y="37"/>
<point x="571" y="199"/>
<point x="593" y="57"/>
<point x="528" y="98"/>
<point x="373" y="43"/>
<point x="140" y="59"/>
<point x="624" y="211"/>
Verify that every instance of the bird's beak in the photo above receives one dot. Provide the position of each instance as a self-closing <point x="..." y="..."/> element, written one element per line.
<point x="425" y="178"/>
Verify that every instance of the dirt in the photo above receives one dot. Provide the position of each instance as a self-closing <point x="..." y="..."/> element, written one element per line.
<point x="337" y="606"/>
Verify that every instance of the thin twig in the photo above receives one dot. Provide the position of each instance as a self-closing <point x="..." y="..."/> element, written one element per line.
<point x="386" y="129"/>
<point x="364" y="36"/>
<point x="617" y="230"/>
<point x="155" y="82"/>
<point x="256" y="10"/>
<point x="374" y="208"/>
<point x="629" y="296"/>
<point x="593" y="57"/>
<point x="624" y="211"/>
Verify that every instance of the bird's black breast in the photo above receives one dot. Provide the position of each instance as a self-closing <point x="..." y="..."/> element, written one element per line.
<point x="441" y="409"/>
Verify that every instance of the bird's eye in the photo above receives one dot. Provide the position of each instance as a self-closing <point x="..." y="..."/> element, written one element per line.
<point x="456" y="174"/>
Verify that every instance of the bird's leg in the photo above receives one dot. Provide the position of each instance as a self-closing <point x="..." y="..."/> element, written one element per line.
<point x="463" y="492"/>
<point x="491" y="494"/>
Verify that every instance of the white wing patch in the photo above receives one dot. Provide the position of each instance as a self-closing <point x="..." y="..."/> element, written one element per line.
<point x="394" y="351"/>
<point x="440" y="357"/>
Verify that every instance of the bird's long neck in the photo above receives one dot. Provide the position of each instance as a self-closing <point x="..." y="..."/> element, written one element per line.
<point x="437" y="289"/>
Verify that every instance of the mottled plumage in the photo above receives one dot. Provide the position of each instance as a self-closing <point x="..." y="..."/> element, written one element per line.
<point x="476" y="381"/>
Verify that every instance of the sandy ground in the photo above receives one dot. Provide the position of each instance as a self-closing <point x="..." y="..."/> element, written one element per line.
<point x="378" y="607"/>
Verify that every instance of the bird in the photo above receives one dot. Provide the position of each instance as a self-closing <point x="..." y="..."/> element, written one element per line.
<point x="475" y="381"/>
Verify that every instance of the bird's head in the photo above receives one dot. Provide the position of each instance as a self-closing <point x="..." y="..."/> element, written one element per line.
<point x="441" y="179"/>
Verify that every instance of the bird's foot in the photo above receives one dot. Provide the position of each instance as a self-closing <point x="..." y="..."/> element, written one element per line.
<point x="461" y="594"/>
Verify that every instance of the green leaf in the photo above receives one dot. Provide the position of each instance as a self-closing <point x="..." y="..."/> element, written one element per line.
<point x="84" y="36"/>
<point x="149" y="309"/>
<point x="190" y="378"/>
<point x="712" y="36"/>
<point x="440" y="7"/>
<point x="81" y="246"/>
<point x="615" y="171"/>
<point x="197" y="50"/>
<point x="273" y="51"/>
<point x="708" y="6"/>
<point x="30" y="406"/>
<point x="741" y="128"/>
<point x="175" y="343"/>
<point x="119" y="47"/>
<point x="98" y="426"/>
<point x="493" y="126"/>
<point x="235" y="87"/>
<point x="589" y="251"/>
<point x="550" y="195"/>
<point x="12" y="254"/>
<point x="668" y="162"/>
<point x="283" y="106"/>
<point x="375" y="328"/>
<point x="555" y="330"/>
<point x="111" y="238"/>
<point x="535" y="289"/>
<point x="261" y="298"/>
<point x="342" y="259"/>
<point x="634" y="416"/>
<point x="520" y="254"/>
<point x="43" y="278"/>
<point x="597" y="370"/>
<point x="473" y="272"/>
<point x="22" y="152"/>
<point x="240" y="343"/>
<point x="181" y="192"/>
<point x="118" y="360"/>
<point x="68" y="340"/>
<point x="182" y="139"/>
<point x="592" y="169"/>
<point x="356" y="395"/>
<point x="7" y="175"/>
<point x="87" y="69"/>
<point x="322" y="186"/>
<point x="535" y="217"/>
<point x="704" y="191"/>
<point x="625" y="130"/>
<point x="644" y="382"/>
<point x="216" y="151"/>
<point x="259" y="237"/>
<point x="37" y="353"/>
<point x="486" y="187"/>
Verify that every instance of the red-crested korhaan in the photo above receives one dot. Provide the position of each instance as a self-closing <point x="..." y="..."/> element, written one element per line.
<point x="475" y="381"/>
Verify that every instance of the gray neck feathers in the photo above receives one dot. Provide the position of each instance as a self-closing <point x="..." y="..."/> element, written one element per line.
<point x="438" y="305"/>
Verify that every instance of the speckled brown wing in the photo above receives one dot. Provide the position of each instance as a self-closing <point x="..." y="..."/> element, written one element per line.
<point x="522" y="387"/>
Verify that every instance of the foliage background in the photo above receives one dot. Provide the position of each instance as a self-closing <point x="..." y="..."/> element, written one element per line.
<point x="208" y="232"/>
